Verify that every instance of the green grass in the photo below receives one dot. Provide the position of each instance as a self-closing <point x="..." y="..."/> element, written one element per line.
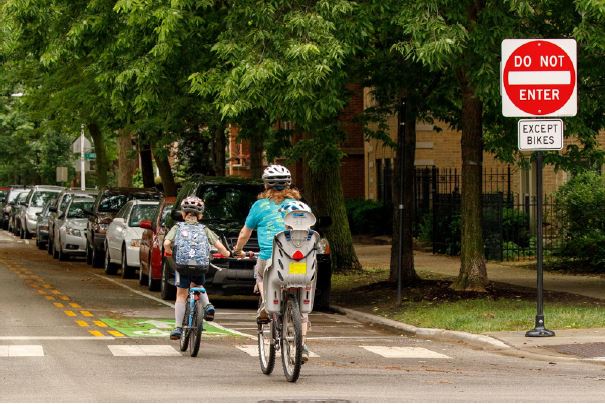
<point x="506" y="308"/>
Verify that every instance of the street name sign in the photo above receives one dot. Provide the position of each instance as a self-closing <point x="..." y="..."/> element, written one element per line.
<point x="540" y="134"/>
<point x="538" y="77"/>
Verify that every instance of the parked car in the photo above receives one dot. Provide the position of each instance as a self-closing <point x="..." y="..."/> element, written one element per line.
<point x="5" y="204"/>
<point x="152" y="240"/>
<point x="57" y="209"/>
<point x="107" y="203"/>
<point x="42" y="224"/>
<point x="123" y="237"/>
<point x="14" y="218"/>
<point x="33" y="204"/>
<point x="60" y="220"/>
<point x="70" y="239"/>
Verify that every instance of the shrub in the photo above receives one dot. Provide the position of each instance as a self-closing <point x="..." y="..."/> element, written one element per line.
<point x="369" y="217"/>
<point x="581" y="205"/>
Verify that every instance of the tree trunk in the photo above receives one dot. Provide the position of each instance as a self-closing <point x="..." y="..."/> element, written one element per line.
<point x="406" y="147"/>
<point x="161" y="160"/>
<point x="473" y="274"/>
<point x="146" y="163"/>
<point x="102" y="164"/>
<point x="324" y="192"/>
<point x="256" y="155"/>
<point x="126" y="162"/>
<point x="220" y="141"/>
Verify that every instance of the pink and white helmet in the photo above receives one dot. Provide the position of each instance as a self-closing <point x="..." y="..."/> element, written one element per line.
<point x="192" y="204"/>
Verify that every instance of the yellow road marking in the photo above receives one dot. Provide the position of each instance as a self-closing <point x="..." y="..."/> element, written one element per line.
<point x="86" y="313"/>
<point x="99" y="323"/>
<point x="56" y="292"/>
<point x="49" y="297"/>
<point x="115" y="333"/>
<point x="47" y="286"/>
<point x="70" y="313"/>
<point x="66" y="298"/>
<point x="96" y="333"/>
<point x="82" y="323"/>
<point x="75" y="305"/>
<point x="59" y="305"/>
<point x="40" y="291"/>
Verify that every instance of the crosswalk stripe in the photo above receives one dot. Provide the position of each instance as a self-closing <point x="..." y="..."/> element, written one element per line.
<point x="252" y="350"/>
<point x="403" y="352"/>
<point x="21" y="350"/>
<point x="143" y="350"/>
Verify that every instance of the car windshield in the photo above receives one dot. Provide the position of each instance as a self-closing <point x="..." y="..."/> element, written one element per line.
<point x="165" y="214"/>
<point x="77" y="209"/>
<point x="112" y="203"/>
<point x="141" y="212"/>
<point x="229" y="203"/>
<point x="41" y="197"/>
<point x="12" y="196"/>
<point x="2" y="194"/>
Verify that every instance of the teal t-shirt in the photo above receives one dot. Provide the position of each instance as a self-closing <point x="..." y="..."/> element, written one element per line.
<point x="265" y="218"/>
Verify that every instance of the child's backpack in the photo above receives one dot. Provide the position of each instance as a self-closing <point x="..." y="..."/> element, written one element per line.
<point x="191" y="249"/>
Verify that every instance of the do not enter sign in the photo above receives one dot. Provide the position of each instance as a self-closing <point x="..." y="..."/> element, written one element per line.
<point x="539" y="77"/>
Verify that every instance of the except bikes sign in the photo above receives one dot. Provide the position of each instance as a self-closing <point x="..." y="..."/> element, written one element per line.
<point x="539" y="77"/>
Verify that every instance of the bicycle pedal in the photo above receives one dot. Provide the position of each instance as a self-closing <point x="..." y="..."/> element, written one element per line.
<point x="263" y="321"/>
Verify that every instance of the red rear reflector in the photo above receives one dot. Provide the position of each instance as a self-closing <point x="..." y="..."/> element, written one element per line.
<point x="218" y="255"/>
<point x="297" y="255"/>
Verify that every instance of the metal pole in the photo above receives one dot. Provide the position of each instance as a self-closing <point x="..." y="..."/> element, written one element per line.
<point x="539" y="329"/>
<point x="402" y="128"/>
<point x="82" y="160"/>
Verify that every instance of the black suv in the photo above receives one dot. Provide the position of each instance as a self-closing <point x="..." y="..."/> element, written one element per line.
<point x="228" y="200"/>
<point x="107" y="203"/>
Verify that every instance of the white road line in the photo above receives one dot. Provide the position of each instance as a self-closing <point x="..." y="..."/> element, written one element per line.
<point x="217" y="325"/>
<point x="57" y="338"/>
<point x="252" y="350"/>
<point x="21" y="350"/>
<point x="404" y="352"/>
<point x="143" y="350"/>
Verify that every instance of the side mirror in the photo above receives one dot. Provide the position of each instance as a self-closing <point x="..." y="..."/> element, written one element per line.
<point x="145" y="224"/>
<point x="61" y="216"/>
<point x="52" y="209"/>
<point x="23" y="203"/>
<point x="38" y="214"/>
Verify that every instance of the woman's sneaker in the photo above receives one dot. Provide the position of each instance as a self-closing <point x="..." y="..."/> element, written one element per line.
<point x="305" y="354"/>
<point x="176" y="333"/>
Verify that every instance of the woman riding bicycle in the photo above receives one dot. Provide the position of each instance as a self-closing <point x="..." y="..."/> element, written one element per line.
<point x="192" y="209"/>
<point x="266" y="218"/>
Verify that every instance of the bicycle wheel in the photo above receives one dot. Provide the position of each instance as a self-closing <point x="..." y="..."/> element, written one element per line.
<point x="186" y="328"/>
<point x="196" y="329"/>
<point x="291" y="340"/>
<point x="266" y="347"/>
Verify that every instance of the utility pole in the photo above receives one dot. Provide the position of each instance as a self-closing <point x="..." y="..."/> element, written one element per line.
<point x="82" y="160"/>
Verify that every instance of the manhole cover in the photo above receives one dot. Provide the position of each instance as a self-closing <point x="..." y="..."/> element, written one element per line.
<point x="591" y="350"/>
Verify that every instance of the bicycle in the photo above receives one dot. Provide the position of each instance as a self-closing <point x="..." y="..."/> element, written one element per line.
<point x="193" y="321"/>
<point x="288" y="282"/>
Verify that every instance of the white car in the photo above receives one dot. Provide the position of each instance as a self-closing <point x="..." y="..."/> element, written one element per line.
<point x="71" y="237"/>
<point x="34" y="203"/>
<point x="123" y="237"/>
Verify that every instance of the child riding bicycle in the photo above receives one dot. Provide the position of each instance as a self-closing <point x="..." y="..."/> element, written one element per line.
<point x="192" y="240"/>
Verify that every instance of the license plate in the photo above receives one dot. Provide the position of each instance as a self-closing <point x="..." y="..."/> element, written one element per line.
<point x="298" y="268"/>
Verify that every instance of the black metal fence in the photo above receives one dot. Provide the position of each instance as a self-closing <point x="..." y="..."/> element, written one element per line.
<point x="508" y="218"/>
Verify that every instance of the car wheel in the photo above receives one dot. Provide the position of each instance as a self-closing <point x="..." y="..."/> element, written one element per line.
<point x="97" y="258"/>
<point x="38" y="241"/>
<point x="22" y="234"/>
<point x="88" y="254"/>
<point x="55" y="252"/>
<point x="152" y="284"/>
<point x="26" y="234"/>
<point x="61" y="255"/>
<point x="142" y="276"/>
<point x="110" y="267"/>
<point x="126" y="270"/>
<point x="49" y="248"/>
<point x="167" y="291"/>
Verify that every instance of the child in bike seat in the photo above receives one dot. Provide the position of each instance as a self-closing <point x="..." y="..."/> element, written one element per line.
<point x="192" y="240"/>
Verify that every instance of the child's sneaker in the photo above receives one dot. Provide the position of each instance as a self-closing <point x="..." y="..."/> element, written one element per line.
<point x="305" y="354"/>
<point x="261" y="314"/>
<point x="176" y="333"/>
<point x="209" y="312"/>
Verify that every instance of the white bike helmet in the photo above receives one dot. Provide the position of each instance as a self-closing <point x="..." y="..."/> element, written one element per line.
<point x="276" y="176"/>
<point x="291" y="206"/>
<point x="192" y="204"/>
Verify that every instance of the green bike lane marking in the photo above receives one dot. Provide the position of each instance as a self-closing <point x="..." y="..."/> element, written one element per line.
<point x="154" y="327"/>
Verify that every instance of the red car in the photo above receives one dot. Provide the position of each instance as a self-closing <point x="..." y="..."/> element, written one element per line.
<point x="150" y="253"/>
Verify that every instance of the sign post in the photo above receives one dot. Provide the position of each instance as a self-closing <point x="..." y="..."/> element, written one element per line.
<point x="539" y="79"/>
<point x="82" y="160"/>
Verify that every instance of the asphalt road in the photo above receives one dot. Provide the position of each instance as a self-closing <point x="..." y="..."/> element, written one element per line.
<point x="69" y="333"/>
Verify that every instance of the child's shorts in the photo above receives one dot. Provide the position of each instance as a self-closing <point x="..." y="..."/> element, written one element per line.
<point x="185" y="281"/>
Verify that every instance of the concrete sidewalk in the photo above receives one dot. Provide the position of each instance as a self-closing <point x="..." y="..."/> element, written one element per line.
<point x="569" y="344"/>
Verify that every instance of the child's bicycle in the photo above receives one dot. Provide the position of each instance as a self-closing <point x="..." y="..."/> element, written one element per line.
<point x="193" y="322"/>
<point x="289" y="287"/>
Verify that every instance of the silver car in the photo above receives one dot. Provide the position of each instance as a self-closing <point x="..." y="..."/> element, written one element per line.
<point x="36" y="199"/>
<point x="71" y="237"/>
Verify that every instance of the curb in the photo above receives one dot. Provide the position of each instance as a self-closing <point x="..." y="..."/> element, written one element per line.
<point x="476" y="340"/>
